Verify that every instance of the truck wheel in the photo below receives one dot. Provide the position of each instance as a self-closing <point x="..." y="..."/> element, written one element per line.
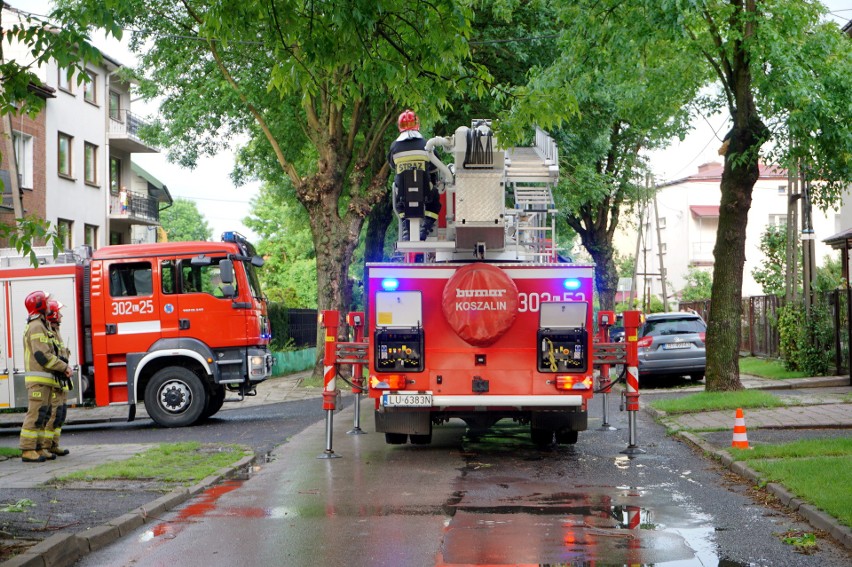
<point x="421" y="439"/>
<point x="396" y="438"/>
<point x="566" y="437"/>
<point x="214" y="401"/>
<point x="541" y="437"/>
<point x="175" y="397"/>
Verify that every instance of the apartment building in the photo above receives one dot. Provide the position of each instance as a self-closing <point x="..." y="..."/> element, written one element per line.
<point x="684" y="223"/>
<point x="79" y="151"/>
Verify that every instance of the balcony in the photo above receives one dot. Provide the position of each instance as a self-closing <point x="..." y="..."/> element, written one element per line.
<point x="124" y="129"/>
<point x="702" y="253"/>
<point x="136" y="208"/>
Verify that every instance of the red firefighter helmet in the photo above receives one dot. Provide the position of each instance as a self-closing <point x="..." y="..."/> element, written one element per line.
<point x="53" y="306"/>
<point x="408" y="121"/>
<point x="36" y="303"/>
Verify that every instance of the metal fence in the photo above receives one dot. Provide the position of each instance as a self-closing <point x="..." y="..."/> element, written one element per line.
<point x="760" y="324"/>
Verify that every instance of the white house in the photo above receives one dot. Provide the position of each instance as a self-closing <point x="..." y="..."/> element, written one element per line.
<point x="688" y="213"/>
<point x="91" y="192"/>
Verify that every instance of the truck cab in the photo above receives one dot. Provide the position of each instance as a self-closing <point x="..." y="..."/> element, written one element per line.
<point x="176" y="325"/>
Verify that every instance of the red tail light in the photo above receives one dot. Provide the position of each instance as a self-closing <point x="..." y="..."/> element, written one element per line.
<point x="645" y="342"/>
<point x="701" y="336"/>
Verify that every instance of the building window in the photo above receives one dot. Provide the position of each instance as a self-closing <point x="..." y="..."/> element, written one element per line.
<point x="24" y="158"/>
<point x="90" y="88"/>
<point x="782" y="189"/>
<point x="90" y="235"/>
<point x="65" y="228"/>
<point x="115" y="105"/>
<point x="114" y="175"/>
<point x="777" y="220"/>
<point x="91" y="152"/>
<point x="65" y="147"/>
<point x="65" y="83"/>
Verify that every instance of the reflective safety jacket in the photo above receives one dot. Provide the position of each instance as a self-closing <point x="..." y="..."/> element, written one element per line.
<point x="40" y="359"/>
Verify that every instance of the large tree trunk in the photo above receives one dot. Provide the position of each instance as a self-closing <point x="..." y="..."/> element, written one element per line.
<point x="606" y="274"/>
<point x="724" y="325"/>
<point x="381" y="217"/>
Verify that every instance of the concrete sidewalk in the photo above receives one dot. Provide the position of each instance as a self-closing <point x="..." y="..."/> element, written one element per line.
<point x="822" y="413"/>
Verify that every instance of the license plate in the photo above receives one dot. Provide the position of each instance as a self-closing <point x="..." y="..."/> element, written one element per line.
<point x="675" y="346"/>
<point x="407" y="400"/>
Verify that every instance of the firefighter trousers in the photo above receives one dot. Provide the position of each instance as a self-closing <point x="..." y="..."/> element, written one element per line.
<point x="38" y="412"/>
<point x="53" y="427"/>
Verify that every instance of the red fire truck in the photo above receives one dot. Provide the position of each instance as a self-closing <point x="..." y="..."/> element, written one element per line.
<point x="174" y="325"/>
<point x="483" y="320"/>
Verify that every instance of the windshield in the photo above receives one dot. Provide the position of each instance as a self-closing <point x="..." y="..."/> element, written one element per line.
<point x="254" y="282"/>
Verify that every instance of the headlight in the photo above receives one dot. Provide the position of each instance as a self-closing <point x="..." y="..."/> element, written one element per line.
<point x="257" y="361"/>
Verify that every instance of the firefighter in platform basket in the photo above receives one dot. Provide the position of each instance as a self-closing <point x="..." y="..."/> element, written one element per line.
<point x="41" y="364"/>
<point x="59" y="396"/>
<point x="415" y="192"/>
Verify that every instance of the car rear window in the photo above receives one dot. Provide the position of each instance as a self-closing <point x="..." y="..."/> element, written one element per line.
<point x="678" y="326"/>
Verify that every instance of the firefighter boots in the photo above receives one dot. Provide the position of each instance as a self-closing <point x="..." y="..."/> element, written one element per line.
<point x="32" y="456"/>
<point x="57" y="452"/>
<point x="426" y="227"/>
<point x="48" y="456"/>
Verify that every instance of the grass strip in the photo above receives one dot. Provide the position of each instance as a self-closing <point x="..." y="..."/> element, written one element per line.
<point x="185" y="463"/>
<point x="767" y="368"/>
<point x="822" y="481"/>
<point x="10" y="452"/>
<point x="834" y="447"/>
<point x="713" y="401"/>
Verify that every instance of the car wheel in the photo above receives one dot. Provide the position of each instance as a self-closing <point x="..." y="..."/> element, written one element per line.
<point x="696" y="377"/>
<point x="175" y="397"/>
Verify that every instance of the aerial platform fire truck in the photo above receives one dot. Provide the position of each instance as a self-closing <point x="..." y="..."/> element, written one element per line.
<point x="174" y="325"/>
<point x="483" y="320"/>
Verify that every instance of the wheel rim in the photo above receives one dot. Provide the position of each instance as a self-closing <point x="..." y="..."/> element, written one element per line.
<point x="175" y="396"/>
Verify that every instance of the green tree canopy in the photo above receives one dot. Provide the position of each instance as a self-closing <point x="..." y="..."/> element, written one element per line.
<point x="315" y="85"/>
<point x="183" y="222"/>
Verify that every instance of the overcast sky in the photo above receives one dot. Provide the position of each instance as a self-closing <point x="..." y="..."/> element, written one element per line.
<point x="225" y="206"/>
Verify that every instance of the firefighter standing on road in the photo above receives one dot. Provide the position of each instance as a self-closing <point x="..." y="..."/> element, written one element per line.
<point x="58" y="397"/>
<point x="408" y="152"/>
<point x="40" y="364"/>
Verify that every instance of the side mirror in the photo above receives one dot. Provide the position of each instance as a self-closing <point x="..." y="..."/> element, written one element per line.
<point x="257" y="261"/>
<point x="228" y="291"/>
<point x="226" y="271"/>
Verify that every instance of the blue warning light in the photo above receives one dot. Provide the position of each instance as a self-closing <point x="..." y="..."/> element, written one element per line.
<point x="572" y="283"/>
<point x="390" y="284"/>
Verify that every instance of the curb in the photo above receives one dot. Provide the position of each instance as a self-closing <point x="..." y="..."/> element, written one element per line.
<point x="63" y="550"/>
<point x="815" y="517"/>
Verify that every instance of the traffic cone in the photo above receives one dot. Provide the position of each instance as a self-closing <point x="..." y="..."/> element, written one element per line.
<point x="740" y="437"/>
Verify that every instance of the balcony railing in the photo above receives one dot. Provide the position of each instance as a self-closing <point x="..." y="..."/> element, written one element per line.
<point x="702" y="252"/>
<point x="124" y="127"/>
<point x="134" y="206"/>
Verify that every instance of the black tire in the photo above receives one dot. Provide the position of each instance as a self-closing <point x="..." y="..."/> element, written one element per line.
<point x="396" y="438"/>
<point x="175" y="397"/>
<point x="696" y="377"/>
<point x="215" y="400"/>
<point x="566" y="437"/>
<point x="421" y="439"/>
<point x="541" y="437"/>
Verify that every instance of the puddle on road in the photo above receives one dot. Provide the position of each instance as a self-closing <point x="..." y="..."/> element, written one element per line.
<point x="602" y="526"/>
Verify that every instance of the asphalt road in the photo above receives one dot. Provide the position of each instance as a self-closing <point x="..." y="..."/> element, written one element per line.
<point x="492" y="500"/>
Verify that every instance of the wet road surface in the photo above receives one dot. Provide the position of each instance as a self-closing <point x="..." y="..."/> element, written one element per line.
<point x="493" y="500"/>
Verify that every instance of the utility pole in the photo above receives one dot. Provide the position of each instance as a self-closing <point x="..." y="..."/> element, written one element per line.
<point x="639" y="234"/>
<point x="791" y="276"/>
<point x="660" y="247"/>
<point x="808" y="260"/>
